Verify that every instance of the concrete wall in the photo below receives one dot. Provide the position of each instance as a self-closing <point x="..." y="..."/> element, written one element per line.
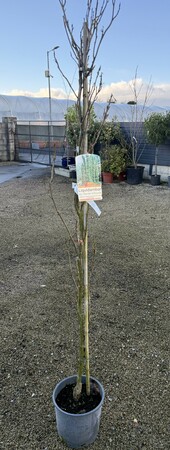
<point x="7" y="142"/>
<point x="164" y="171"/>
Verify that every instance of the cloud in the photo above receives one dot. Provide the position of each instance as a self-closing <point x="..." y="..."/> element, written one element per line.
<point x="43" y="92"/>
<point x="161" y="93"/>
<point x="122" y="91"/>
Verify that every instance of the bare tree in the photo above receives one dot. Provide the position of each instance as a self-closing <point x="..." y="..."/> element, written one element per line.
<point x="137" y="115"/>
<point x="85" y="54"/>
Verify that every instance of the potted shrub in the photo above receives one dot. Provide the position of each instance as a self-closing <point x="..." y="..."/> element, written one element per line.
<point x="156" y="127"/>
<point x="119" y="161"/>
<point x="113" y="162"/>
<point x="78" y="398"/>
<point x="107" y="175"/>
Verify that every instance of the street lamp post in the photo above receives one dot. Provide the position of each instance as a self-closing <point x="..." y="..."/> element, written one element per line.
<point x="48" y="75"/>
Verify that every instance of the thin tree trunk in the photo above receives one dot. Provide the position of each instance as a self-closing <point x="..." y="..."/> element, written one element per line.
<point x="86" y="300"/>
<point x="82" y="211"/>
<point x="156" y="160"/>
<point x="85" y="55"/>
<point x="85" y="210"/>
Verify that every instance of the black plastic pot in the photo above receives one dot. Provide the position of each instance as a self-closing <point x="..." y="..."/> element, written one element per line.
<point x="77" y="430"/>
<point x="155" y="180"/>
<point x="73" y="175"/>
<point x="134" y="175"/>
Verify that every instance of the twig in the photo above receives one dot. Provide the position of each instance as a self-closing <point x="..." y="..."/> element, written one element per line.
<point x="62" y="219"/>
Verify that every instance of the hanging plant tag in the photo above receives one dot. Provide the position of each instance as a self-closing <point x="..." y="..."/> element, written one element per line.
<point x="90" y="202"/>
<point x="88" y="171"/>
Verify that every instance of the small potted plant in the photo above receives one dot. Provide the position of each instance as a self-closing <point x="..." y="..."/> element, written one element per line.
<point x="113" y="163"/>
<point x="107" y="175"/>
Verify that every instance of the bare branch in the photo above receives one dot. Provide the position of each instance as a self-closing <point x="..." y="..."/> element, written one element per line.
<point x="69" y="31"/>
<point x="104" y="31"/>
<point x="105" y="115"/>
<point x="64" y="76"/>
<point x="94" y="89"/>
<point x="62" y="219"/>
<point x="137" y="115"/>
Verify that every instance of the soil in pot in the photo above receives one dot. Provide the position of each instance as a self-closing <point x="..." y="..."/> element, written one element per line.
<point x="86" y="403"/>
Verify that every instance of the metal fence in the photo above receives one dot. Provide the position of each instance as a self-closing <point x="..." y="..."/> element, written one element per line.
<point x="40" y="142"/>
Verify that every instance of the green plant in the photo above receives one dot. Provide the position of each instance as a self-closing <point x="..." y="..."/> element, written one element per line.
<point x="73" y="126"/>
<point x="157" y="128"/>
<point x="167" y="120"/>
<point x="99" y="132"/>
<point x="110" y="132"/>
<point x="114" y="159"/>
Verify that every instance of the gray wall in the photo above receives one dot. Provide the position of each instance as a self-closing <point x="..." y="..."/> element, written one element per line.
<point x="7" y="138"/>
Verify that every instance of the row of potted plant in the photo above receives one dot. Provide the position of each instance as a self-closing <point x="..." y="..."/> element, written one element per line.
<point x="116" y="158"/>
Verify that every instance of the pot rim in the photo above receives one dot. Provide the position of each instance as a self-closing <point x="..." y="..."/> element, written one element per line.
<point x="73" y="378"/>
<point x="137" y="167"/>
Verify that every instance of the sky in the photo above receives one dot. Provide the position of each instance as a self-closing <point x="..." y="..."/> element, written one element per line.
<point x="138" y="39"/>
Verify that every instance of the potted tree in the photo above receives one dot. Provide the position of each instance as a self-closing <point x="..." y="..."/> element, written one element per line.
<point x="134" y="172"/>
<point x="78" y="422"/>
<point x="156" y="130"/>
<point x="137" y="110"/>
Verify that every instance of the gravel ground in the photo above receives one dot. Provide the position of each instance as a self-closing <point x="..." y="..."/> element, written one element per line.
<point x="130" y="294"/>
